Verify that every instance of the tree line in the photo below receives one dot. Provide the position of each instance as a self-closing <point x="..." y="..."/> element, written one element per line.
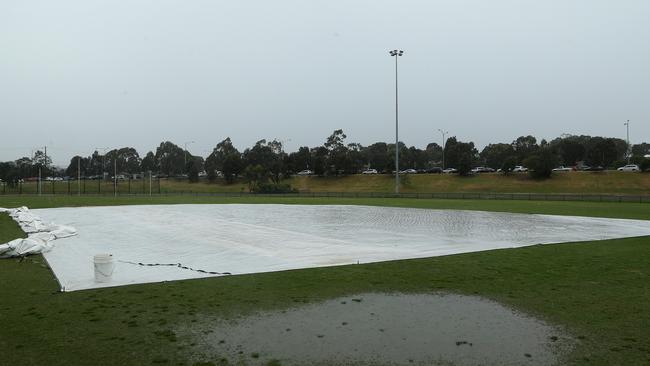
<point x="267" y="161"/>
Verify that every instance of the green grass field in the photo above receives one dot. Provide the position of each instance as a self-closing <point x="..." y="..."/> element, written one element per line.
<point x="570" y="182"/>
<point x="598" y="290"/>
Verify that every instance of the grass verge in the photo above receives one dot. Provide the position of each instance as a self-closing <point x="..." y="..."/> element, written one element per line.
<point x="9" y="229"/>
<point x="598" y="290"/>
<point x="592" y="209"/>
<point x="609" y="182"/>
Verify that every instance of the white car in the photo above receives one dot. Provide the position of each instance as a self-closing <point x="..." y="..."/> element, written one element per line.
<point x="450" y="170"/>
<point x="562" y="169"/>
<point x="369" y="171"/>
<point x="629" y="168"/>
<point x="408" y="171"/>
<point x="520" y="169"/>
<point x="305" y="172"/>
<point x="482" y="169"/>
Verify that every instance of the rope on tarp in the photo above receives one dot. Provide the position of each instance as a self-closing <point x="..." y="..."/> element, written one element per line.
<point x="179" y="265"/>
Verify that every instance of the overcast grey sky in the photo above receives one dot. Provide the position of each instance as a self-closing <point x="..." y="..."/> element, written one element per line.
<point x="80" y="74"/>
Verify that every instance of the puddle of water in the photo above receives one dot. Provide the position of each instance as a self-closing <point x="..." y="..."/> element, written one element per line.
<point x="387" y="329"/>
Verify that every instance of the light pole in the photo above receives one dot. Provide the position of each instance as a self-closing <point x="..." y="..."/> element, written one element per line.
<point x="627" y="152"/>
<point x="103" y="157"/>
<point x="185" y="153"/>
<point x="40" y="184"/>
<point x="115" y="176"/>
<point x="396" y="54"/>
<point x="444" y="142"/>
<point x="79" y="175"/>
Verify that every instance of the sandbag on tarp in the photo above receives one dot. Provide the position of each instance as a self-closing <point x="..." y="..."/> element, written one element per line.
<point x="40" y="234"/>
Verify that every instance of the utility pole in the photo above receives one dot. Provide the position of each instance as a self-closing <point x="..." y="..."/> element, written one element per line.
<point x="103" y="157"/>
<point x="115" y="178"/>
<point x="628" y="152"/>
<point x="396" y="54"/>
<point x="444" y="142"/>
<point x="41" y="165"/>
<point x="79" y="176"/>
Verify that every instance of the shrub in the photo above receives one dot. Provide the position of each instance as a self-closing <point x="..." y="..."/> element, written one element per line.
<point x="274" y="188"/>
<point x="541" y="164"/>
<point x="645" y="165"/>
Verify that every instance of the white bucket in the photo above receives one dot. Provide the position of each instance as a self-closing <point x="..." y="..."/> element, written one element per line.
<point x="104" y="267"/>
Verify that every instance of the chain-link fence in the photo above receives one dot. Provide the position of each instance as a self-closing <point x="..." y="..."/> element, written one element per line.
<point x="83" y="186"/>
<point x="154" y="187"/>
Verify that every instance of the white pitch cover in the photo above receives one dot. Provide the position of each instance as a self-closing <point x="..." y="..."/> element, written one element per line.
<point x="154" y="243"/>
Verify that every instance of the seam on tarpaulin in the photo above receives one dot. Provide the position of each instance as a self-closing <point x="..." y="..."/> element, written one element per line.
<point x="179" y="265"/>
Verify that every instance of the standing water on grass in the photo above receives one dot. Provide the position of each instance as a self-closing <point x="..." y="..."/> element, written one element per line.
<point x="383" y="329"/>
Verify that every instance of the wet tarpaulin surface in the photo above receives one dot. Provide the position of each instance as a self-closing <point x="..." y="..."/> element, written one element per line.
<point x="234" y="238"/>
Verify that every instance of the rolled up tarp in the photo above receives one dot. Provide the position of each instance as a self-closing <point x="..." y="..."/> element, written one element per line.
<point x="40" y="235"/>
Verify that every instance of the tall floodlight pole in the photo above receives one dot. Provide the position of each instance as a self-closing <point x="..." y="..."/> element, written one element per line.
<point x="444" y="142"/>
<point x="396" y="54"/>
<point x="628" y="152"/>
<point x="185" y="154"/>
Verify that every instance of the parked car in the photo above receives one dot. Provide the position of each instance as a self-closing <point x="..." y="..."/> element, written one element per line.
<point x="305" y="172"/>
<point x="629" y="168"/>
<point x="408" y="171"/>
<point x="450" y="170"/>
<point x="520" y="169"/>
<point x="434" y="170"/>
<point x="482" y="169"/>
<point x="369" y="171"/>
<point x="562" y="169"/>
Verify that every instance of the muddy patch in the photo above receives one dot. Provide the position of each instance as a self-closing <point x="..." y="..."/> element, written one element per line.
<point x="385" y="329"/>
